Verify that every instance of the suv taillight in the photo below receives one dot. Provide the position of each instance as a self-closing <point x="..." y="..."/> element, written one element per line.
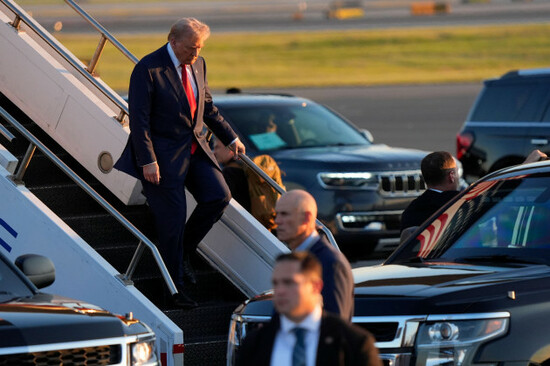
<point x="463" y="143"/>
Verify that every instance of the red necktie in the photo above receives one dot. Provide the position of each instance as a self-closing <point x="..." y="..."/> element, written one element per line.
<point x="190" y="98"/>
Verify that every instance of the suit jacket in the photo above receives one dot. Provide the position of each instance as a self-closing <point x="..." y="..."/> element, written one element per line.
<point x="340" y="344"/>
<point x="338" y="282"/>
<point x="161" y="124"/>
<point x="424" y="206"/>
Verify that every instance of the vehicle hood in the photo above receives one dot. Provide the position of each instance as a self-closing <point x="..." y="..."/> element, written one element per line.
<point x="44" y="318"/>
<point x="378" y="156"/>
<point x="441" y="287"/>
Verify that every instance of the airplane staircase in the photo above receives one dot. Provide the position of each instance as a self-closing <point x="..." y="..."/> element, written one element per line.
<point x="204" y="328"/>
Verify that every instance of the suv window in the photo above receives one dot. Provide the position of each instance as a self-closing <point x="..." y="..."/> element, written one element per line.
<point x="291" y="126"/>
<point x="512" y="102"/>
<point x="496" y="219"/>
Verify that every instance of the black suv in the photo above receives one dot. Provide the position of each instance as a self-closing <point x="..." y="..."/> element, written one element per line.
<point x="42" y="329"/>
<point x="510" y="118"/>
<point x="361" y="188"/>
<point x="470" y="286"/>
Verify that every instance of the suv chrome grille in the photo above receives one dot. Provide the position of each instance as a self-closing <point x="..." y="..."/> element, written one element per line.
<point x="409" y="183"/>
<point x="390" y="220"/>
<point x="96" y="356"/>
<point x="382" y="332"/>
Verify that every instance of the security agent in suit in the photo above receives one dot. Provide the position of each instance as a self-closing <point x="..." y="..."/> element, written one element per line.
<point x="296" y="212"/>
<point x="440" y="174"/>
<point x="301" y="333"/>
<point x="167" y="148"/>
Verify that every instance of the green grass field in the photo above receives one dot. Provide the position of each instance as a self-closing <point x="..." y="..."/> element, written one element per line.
<point x="369" y="57"/>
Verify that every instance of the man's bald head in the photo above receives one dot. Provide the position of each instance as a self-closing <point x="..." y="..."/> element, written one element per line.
<point x="296" y="213"/>
<point x="302" y="200"/>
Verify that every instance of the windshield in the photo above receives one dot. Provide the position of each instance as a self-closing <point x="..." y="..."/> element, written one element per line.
<point x="496" y="221"/>
<point x="11" y="285"/>
<point x="292" y="125"/>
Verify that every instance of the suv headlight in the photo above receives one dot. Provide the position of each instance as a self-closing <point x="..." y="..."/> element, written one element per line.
<point x="142" y="353"/>
<point x="348" y="180"/>
<point x="454" y="342"/>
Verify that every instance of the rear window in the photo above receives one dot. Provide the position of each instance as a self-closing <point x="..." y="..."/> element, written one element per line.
<point x="495" y="219"/>
<point x="512" y="102"/>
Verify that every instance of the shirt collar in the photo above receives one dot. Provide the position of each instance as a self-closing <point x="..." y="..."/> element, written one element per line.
<point x="173" y="57"/>
<point x="306" y="244"/>
<point x="312" y="322"/>
<point x="435" y="190"/>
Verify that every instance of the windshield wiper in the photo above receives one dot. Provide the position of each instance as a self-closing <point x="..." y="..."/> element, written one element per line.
<point x="500" y="258"/>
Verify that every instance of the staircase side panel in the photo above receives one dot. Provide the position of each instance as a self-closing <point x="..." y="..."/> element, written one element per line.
<point x="28" y="226"/>
<point x="61" y="105"/>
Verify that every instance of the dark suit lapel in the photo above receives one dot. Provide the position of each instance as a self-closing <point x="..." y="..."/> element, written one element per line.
<point x="172" y="75"/>
<point x="199" y="81"/>
<point x="261" y="342"/>
<point x="327" y="349"/>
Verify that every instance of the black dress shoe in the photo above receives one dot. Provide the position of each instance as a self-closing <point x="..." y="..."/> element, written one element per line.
<point x="188" y="271"/>
<point x="183" y="301"/>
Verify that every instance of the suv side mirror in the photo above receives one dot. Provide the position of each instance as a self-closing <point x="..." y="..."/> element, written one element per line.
<point x="367" y="135"/>
<point x="38" y="269"/>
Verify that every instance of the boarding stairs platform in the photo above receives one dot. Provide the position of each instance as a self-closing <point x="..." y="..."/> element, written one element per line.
<point x="61" y="129"/>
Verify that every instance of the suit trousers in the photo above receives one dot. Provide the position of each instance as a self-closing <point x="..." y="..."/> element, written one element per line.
<point x="177" y="238"/>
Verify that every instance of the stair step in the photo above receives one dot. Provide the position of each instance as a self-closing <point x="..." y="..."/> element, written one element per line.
<point x="210" y="289"/>
<point x="210" y="353"/>
<point x="193" y="321"/>
<point x="101" y="230"/>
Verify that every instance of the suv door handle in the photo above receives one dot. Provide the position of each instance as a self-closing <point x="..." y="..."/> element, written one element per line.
<point x="539" y="141"/>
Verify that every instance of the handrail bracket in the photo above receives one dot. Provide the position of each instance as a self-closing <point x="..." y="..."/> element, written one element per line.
<point x="16" y="23"/>
<point x="17" y="178"/>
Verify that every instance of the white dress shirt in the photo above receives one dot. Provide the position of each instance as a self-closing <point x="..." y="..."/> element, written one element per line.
<point x="286" y="338"/>
<point x="306" y="244"/>
<point x="179" y="68"/>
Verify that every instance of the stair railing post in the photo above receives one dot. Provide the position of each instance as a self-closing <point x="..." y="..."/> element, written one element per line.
<point x="97" y="54"/>
<point x="127" y="277"/>
<point x="17" y="22"/>
<point x="17" y="178"/>
<point x="122" y="114"/>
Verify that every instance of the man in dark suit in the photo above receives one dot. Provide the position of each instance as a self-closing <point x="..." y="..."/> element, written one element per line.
<point x="296" y="212"/>
<point x="169" y="102"/>
<point x="441" y="177"/>
<point x="301" y="333"/>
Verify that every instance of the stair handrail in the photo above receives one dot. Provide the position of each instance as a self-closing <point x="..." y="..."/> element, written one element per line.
<point x="105" y="35"/>
<point x="144" y="241"/>
<point x="250" y="164"/>
<point x="20" y="16"/>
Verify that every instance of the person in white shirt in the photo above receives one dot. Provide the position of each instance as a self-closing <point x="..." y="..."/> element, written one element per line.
<point x="301" y="333"/>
